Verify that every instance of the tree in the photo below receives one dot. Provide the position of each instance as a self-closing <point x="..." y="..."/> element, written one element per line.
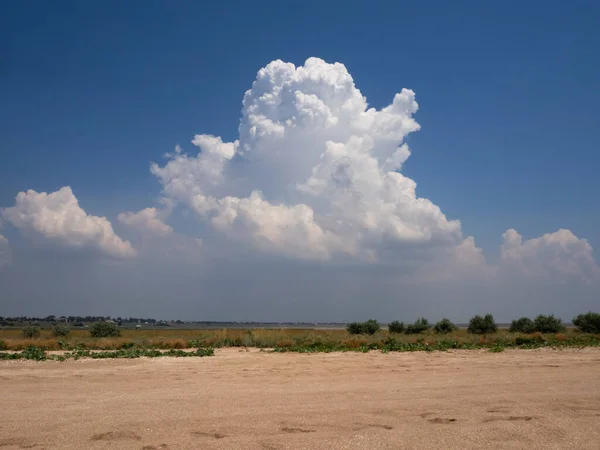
<point x="444" y="326"/>
<point x="420" y="325"/>
<point x="396" y="327"/>
<point x="482" y="325"/>
<point x="60" y="330"/>
<point x="548" y="324"/>
<point x="588" y="323"/>
<point x="105" y="329"/>
<point x="31" y="332"/>
<point x="522" y="325"/>
<point x="371" y="326"/>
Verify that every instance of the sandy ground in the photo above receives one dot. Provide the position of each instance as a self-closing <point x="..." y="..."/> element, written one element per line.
<point x="546" y="399"/>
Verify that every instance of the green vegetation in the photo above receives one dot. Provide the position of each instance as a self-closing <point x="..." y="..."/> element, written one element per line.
<point x="39" y="354"/>
<point x="522" y="325"/>
<point x="588" y="323"/>
<point x="105" y="329"/>
<point x="396" y="327"/>
<point x="3" y="345"/>
<point x="444" y="326"/>
<point x="482" y="325"/>
<point x="31" y="332"/>
<point x="61" y="330"/>
<point x="369" y="327"/>
<point x="418" y="327"/>
<point x="548" y="324"/>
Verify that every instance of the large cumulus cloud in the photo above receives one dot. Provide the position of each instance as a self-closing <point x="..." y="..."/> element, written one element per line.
<point x="58" y="218"/>
<point x="315" y="173"/>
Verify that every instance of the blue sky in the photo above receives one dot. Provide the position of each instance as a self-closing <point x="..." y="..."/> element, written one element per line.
<point x="93" y="92"/>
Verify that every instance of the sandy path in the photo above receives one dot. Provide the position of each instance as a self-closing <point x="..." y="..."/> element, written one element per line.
<point x="544" y="399"/>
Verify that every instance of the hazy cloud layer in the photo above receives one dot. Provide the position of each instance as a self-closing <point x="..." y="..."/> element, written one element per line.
<point x="58" y="218"/>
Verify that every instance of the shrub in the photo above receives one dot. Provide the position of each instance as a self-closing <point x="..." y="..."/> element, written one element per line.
<point x="369" y="327"/>
<point x="396" y="327"/>
<point x="444" y="326"/>
<point x="355" y="328"/>
<point x="419" y="326"/>
<point x="548" y="324"/>
<point x="31" y="332"/>
<point x="588" y="323"/>
<point x="482" y="325"/>
<point x="33" y="352"/>
<point x="104" y="329"/>
<point x="3" y="345"/>
<point x="522" y="325"/>
<point x="60" y="330"/>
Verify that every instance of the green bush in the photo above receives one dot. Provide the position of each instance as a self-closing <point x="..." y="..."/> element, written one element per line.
<point x="371" y="326"/>
<point x="482" y="325"/>
<point x="355" y="328"/>
<point x="104" y="329"/>
<point x="61" y="330"/>
<point x="548" y="324"/>
<point x="522" y="325"/>
<point x="444" y="326"/>
<point x="31" y="332"/>
<point x="3" y="345"/>
<point x="419" y="326"/>
<point x="588" y="323"/>
<point x="396" y="327"/>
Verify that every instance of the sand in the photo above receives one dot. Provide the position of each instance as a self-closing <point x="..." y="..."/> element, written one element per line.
<point x="546" y="399"/>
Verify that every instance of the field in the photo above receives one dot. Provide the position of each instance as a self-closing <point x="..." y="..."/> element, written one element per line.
<point x="248" y="399"/>
<point x="294" y="339"/>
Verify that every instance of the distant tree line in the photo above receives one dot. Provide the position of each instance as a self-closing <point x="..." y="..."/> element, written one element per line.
<point x="587" y="323"/>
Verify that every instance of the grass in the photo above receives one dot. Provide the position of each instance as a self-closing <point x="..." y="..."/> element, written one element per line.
<point x="171" y="342"/>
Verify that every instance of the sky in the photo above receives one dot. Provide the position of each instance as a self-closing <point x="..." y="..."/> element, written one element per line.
<point x="314" y="161"/>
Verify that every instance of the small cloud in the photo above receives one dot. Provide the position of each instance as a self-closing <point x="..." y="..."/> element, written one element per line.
<point x="58" y="218"/>
<point x="147" y="221"/>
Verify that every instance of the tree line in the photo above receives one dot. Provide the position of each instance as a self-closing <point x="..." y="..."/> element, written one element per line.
<point x="587" y="323"/>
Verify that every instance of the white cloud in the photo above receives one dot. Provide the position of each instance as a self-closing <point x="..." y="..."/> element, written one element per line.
<point x="313" y="174"/>
<point x="147" y="221"/>
<point x="59" y="218"/>
<point x="559" y="255"/>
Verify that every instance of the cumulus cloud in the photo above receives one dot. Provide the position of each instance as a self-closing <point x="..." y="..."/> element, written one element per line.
<point x="58" y="218"/>
<point x="147" y="221"/>
<point x="559" y="255"/>
<point x="314" y="174"/>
